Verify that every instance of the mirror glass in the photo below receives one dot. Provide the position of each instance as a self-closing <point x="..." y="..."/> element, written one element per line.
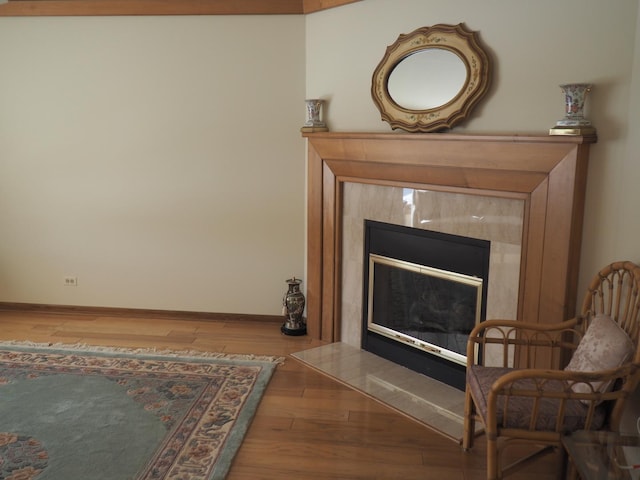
<point x="427" y="79"/>
<point x="430" y="79"/>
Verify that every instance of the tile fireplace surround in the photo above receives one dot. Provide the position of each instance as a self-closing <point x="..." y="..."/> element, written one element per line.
<point x="530" y="191"/>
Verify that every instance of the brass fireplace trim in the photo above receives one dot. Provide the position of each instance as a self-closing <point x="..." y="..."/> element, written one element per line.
<point x="409" y="340"/>
<point x="549" y="172"/>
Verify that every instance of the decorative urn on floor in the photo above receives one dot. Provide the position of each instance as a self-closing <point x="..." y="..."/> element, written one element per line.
<point x="292" y="308"/>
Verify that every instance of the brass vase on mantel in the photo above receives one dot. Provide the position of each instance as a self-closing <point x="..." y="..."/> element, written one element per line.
<point x="293" y="304"/>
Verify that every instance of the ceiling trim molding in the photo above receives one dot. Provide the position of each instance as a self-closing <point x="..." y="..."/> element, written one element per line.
<point x="310" y="6"/>
<point x="15" y="8"/>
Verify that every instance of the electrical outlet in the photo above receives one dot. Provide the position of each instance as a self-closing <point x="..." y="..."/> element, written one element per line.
<point x="70" y="281"/>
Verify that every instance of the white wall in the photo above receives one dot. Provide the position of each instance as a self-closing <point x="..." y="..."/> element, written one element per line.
<point x="535" y="47"/>
<point x="158" y="159"/>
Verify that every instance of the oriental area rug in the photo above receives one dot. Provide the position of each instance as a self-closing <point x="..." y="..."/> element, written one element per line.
<point x="78" y="413"/>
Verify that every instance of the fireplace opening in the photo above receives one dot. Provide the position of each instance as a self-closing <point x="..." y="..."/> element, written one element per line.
<point x="423" y="292"/>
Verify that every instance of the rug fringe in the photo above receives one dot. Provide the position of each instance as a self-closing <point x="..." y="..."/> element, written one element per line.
<point x="84" y="347"/>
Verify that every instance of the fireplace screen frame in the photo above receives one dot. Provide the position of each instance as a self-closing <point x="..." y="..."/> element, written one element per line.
<point x="412" y="341"/>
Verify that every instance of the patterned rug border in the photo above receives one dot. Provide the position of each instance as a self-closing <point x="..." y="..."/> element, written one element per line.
<point x="152" y="352"/>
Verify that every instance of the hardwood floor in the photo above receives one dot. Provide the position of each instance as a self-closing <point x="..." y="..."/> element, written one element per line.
<point x="308" y="426"/>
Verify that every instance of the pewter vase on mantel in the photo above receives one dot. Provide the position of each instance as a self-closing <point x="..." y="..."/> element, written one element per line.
<point x="293" y="308"/>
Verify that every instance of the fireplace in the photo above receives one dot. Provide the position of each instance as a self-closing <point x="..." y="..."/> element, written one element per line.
<point x="526" y="190"/>
<point x="424" y="292"/>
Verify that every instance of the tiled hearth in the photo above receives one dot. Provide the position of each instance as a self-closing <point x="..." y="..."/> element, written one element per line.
<point x="496" y="219"/>
<point x="434" y="404"/>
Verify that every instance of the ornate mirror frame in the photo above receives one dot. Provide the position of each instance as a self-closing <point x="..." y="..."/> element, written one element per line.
<point x="454" y="38"/>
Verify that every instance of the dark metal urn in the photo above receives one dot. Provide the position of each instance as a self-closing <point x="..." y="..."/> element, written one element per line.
<point x="293" y="307"/>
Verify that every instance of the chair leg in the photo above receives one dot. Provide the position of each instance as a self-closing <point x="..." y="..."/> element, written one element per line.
<point x="493" y="470"/>
<point x="570" y="469"/>
<point x="469" y="421"/>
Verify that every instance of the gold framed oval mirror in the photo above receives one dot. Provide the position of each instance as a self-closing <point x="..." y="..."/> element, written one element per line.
<point x="430" y="79"/>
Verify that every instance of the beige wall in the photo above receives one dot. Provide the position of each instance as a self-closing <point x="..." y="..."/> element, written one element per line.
<point x="535" y="46"/>
<point x="158" y="159"/>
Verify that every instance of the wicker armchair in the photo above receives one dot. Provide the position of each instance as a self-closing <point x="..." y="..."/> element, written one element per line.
<point x="515" y="389"/>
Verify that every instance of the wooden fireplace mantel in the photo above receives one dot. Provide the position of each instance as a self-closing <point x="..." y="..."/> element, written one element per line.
<point x="547" y="172"/>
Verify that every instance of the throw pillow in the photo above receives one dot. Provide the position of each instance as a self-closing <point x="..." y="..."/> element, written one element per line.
<point x="605" y="345"/>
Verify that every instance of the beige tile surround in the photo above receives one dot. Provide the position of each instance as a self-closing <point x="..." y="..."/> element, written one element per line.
<point x="497" y="219"/>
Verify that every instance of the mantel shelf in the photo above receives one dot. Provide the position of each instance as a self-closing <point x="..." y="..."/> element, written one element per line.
<point x="458" y="137"/>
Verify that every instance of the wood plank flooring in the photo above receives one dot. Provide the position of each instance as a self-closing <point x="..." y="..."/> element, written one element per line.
<point x="308" y="426"/>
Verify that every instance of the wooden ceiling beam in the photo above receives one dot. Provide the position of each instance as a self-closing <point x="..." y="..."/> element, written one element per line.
<point x="310" y="6"/>
<point x="14" y="8"/>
